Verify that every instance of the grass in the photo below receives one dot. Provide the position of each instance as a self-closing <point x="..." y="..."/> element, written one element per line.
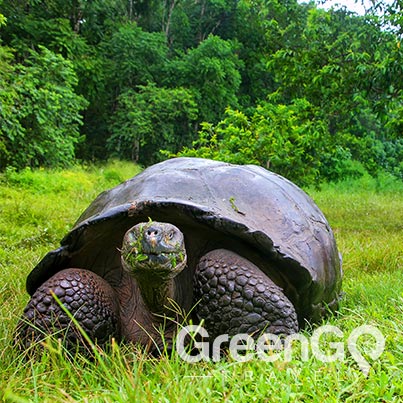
<point x="38" y="207"/>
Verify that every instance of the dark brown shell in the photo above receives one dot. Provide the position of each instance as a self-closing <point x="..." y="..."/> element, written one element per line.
<point x="258" y="212"/>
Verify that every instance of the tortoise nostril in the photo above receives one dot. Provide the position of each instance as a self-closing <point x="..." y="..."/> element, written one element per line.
<point x="152" y="232"/>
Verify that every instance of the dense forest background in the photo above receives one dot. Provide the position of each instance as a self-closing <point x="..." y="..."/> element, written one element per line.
<point x="312" y="94"/>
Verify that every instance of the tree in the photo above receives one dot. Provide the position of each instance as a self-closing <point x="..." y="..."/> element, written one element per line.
<point x="287" y="139"/>
<point x="151" y="119"/>
<point x="211" y="73"/>
<point x="40" y="117"/>
<point x="343" y="66"/>
<point x="135" y="57"/>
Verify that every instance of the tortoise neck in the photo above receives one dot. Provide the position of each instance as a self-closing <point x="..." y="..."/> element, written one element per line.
<point x="158" y="295"/>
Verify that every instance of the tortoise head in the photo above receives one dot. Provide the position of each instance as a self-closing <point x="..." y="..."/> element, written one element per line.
<point x="154" y="248"/>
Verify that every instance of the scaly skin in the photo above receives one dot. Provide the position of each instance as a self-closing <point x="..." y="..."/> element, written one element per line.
<point x="236" y="297"/>
<point x="88" y="298"/>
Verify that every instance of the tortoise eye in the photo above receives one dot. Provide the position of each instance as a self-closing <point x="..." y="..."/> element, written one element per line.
<point x="171" y="235"/>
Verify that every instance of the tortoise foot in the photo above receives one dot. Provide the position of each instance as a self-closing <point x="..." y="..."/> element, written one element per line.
<point x="88" y="298"/>
<point x="234" y="296"/>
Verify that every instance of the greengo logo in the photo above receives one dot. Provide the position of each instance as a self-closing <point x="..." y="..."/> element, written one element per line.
<point x="326" y="343"/>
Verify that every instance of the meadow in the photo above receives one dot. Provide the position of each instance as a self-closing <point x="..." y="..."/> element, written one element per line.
<point x="38" y="207"/>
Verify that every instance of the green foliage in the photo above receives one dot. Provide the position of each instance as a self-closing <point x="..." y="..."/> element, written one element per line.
<point x="187" y="23"/>
<point x="40" y="117"/>
<point x="347" y="62"/>
<point x="126" y="59"/>
<point x="151" y="119"/>
<point x="135" y="57"/>
<point x="8" y="98"/>
<point x="2" y="19"/>
<point x="240" y="54"/>
<point x="285" y="138"/>
<point x="211" y="72"/>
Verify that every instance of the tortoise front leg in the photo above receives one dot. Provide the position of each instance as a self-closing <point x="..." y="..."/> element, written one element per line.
<point x="234" y="296"/>
<point x="88" y="298"/>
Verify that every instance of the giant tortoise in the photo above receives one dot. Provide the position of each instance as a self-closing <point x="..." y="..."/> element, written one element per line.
<point x="239" y="247"/>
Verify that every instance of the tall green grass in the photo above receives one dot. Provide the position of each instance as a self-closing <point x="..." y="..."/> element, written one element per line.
<point x="38" y="207"/>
